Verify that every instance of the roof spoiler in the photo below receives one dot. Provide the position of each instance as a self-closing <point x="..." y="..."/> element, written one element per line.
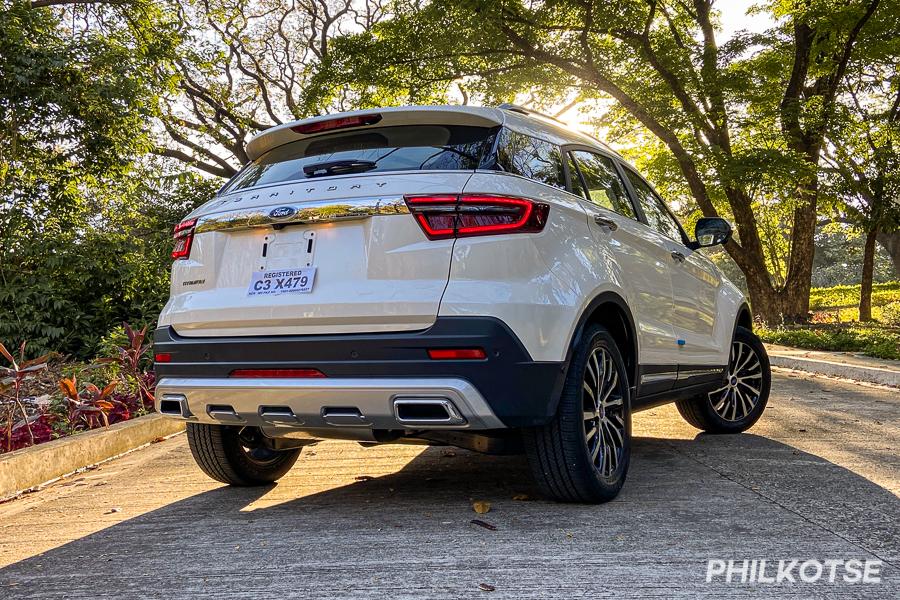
<point x="379" y="117"/>
<point x="528" y="112"/>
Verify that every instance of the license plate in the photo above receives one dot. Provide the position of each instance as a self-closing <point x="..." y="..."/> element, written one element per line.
<point x="282" y="281"/>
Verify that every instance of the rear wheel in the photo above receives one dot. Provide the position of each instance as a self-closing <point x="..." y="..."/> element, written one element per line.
<point x="238" y="455"/>
<point x="582" y="455"/>
<point x="739" y="403"/>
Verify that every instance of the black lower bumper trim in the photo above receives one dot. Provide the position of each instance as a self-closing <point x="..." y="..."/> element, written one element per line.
<point x="520" y="391"/>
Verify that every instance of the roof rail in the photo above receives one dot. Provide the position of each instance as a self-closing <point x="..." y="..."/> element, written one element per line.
<point x="526" y="111"/>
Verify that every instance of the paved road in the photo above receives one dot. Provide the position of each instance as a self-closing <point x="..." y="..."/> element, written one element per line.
<point x="817" y="478"/>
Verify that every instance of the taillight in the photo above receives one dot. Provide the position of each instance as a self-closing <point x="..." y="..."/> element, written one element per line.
<point x="184" y="236"/>
<point x="339" y="123"/>
<point x="446" y="216"/>
<point x="162" y="357"/>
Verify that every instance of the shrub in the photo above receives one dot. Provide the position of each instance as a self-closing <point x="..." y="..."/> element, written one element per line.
<point x="111" y="390"/>
<point x="890" y="314"/>
<point x="871" y="340"/>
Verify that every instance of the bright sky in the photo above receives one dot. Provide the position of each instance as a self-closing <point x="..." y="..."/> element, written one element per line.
<point x="733" y="18"/>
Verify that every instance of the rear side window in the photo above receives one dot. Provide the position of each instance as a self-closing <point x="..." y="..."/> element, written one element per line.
<point x="402" y="148"/>
<point x="530" y="157"/>
<point x="658" y="216"/>
<point x="604" y="187"/>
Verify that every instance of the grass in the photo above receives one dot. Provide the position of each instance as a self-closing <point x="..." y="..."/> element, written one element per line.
<point x="840" y="304"/>
<point x="835" y="325"/>
<point x="876" y="341"/>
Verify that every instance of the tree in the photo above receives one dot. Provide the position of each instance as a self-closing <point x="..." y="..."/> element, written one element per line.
<point x="84" y="217"/>
<point x="247" y="65"/>
<point x="864" y="162"/>
<point x="744" y="121"/>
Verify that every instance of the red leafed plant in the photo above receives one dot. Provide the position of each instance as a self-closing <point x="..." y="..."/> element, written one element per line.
<point x="92" y="406"/>
<point x="129" y="361"/>
<point x="11" y="378"/>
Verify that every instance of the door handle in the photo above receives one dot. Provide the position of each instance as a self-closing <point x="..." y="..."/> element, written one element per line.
<point x="678" y="256"/>
<point x="605" y="222"/>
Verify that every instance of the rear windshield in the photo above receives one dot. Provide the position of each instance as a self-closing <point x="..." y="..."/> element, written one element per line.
<point x="402" y="148"/>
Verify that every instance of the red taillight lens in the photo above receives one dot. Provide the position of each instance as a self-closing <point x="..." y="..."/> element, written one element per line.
<point x="456" y="354"/>
<point x="184" y="236"/>
<point x="277" y="373"/>
<point x="162" y="357"/>
<point x="442" y="217"/>
<point x="340" y="123"/>
<point x="436" y="214"/>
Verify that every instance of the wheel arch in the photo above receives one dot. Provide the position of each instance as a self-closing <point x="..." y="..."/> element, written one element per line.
<point x="610" y="310"/>
<point x="744" y="318"/>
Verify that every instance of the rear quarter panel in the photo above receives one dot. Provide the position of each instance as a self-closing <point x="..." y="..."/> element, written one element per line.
<point x="538" y="284"/>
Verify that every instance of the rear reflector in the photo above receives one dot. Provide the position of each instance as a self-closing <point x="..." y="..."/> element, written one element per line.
<point x="277" y="373"/>
<point x="184" y="236"/>
<point x="162" y="357"/>
<point x="456" y="354"/>
<point x="340" y="123"/>
<point x="446" y="216"/>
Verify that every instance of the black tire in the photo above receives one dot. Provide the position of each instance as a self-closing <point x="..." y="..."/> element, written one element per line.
<point x="560" y="452"/>
<point x="234" y="455"/>
<point x="738" y="405"/>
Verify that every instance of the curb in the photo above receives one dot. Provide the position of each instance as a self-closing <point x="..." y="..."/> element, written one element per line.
<point x="29" y="467"/>
<point x="874" y="375"/>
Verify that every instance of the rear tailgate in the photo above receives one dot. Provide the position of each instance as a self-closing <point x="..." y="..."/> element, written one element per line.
<point x="374" y="269"/>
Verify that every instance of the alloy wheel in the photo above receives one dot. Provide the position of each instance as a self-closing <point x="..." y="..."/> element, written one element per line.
<point x="740" y="394"/>
<point x="255" y="449"/>
<point x="604" y="412"/>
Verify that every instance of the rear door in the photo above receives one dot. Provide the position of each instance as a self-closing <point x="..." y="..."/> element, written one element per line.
<point x="315" y="237"/>
<point x="635" y="249"/>
<point x="695" y="281"/>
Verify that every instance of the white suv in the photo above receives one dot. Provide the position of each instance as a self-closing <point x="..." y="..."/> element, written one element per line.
<point x="481" y="277"/>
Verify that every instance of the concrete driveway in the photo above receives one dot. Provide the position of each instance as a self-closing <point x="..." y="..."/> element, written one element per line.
<point x="817" y="478"/>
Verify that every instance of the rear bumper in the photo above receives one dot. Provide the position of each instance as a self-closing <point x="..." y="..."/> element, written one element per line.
<point x="366" y="376"/>
<point x="313" y="404"/>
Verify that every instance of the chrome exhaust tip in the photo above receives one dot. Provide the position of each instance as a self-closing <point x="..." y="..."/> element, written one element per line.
<point x="174" y="405"/>
<point x="428" y="412"/>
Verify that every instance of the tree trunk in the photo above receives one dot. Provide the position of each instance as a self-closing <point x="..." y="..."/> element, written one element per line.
<point x="765" y="303"/>
<point x="891" y="243"/>
<point x="797" y="284"/>
<point x="865" y="291"/>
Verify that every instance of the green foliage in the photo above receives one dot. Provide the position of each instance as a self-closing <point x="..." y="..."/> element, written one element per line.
<point x="843" y="296"/>
<point x="872" y="341"/>
<point x="890" y="314"/>
<point x="734" y="128"/>
<point x="838" y="306"/>
<point x="85" y="219"/>
<point x="66" y="291"/>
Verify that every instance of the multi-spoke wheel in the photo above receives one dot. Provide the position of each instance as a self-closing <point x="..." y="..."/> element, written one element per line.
<point x="238" y="455"/>
<point x="743" y="384"/>
<point x="582" y="454"/>
<point x="739" y="402"/>
<point x="604" y="408"/>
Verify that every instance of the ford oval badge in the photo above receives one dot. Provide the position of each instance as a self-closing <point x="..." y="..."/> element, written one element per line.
<point x="282" y="212"/>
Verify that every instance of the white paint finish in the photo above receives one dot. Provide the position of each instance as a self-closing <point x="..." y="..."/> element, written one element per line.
<point x="641" y="266"/>
<point x="382" y="274"/>
<point x="525" y="280"/>
<point x="698" y="318"/>
<point x="373" y="274"/>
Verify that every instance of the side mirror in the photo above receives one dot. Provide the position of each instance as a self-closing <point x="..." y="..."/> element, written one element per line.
<point x="711" y="231"/>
